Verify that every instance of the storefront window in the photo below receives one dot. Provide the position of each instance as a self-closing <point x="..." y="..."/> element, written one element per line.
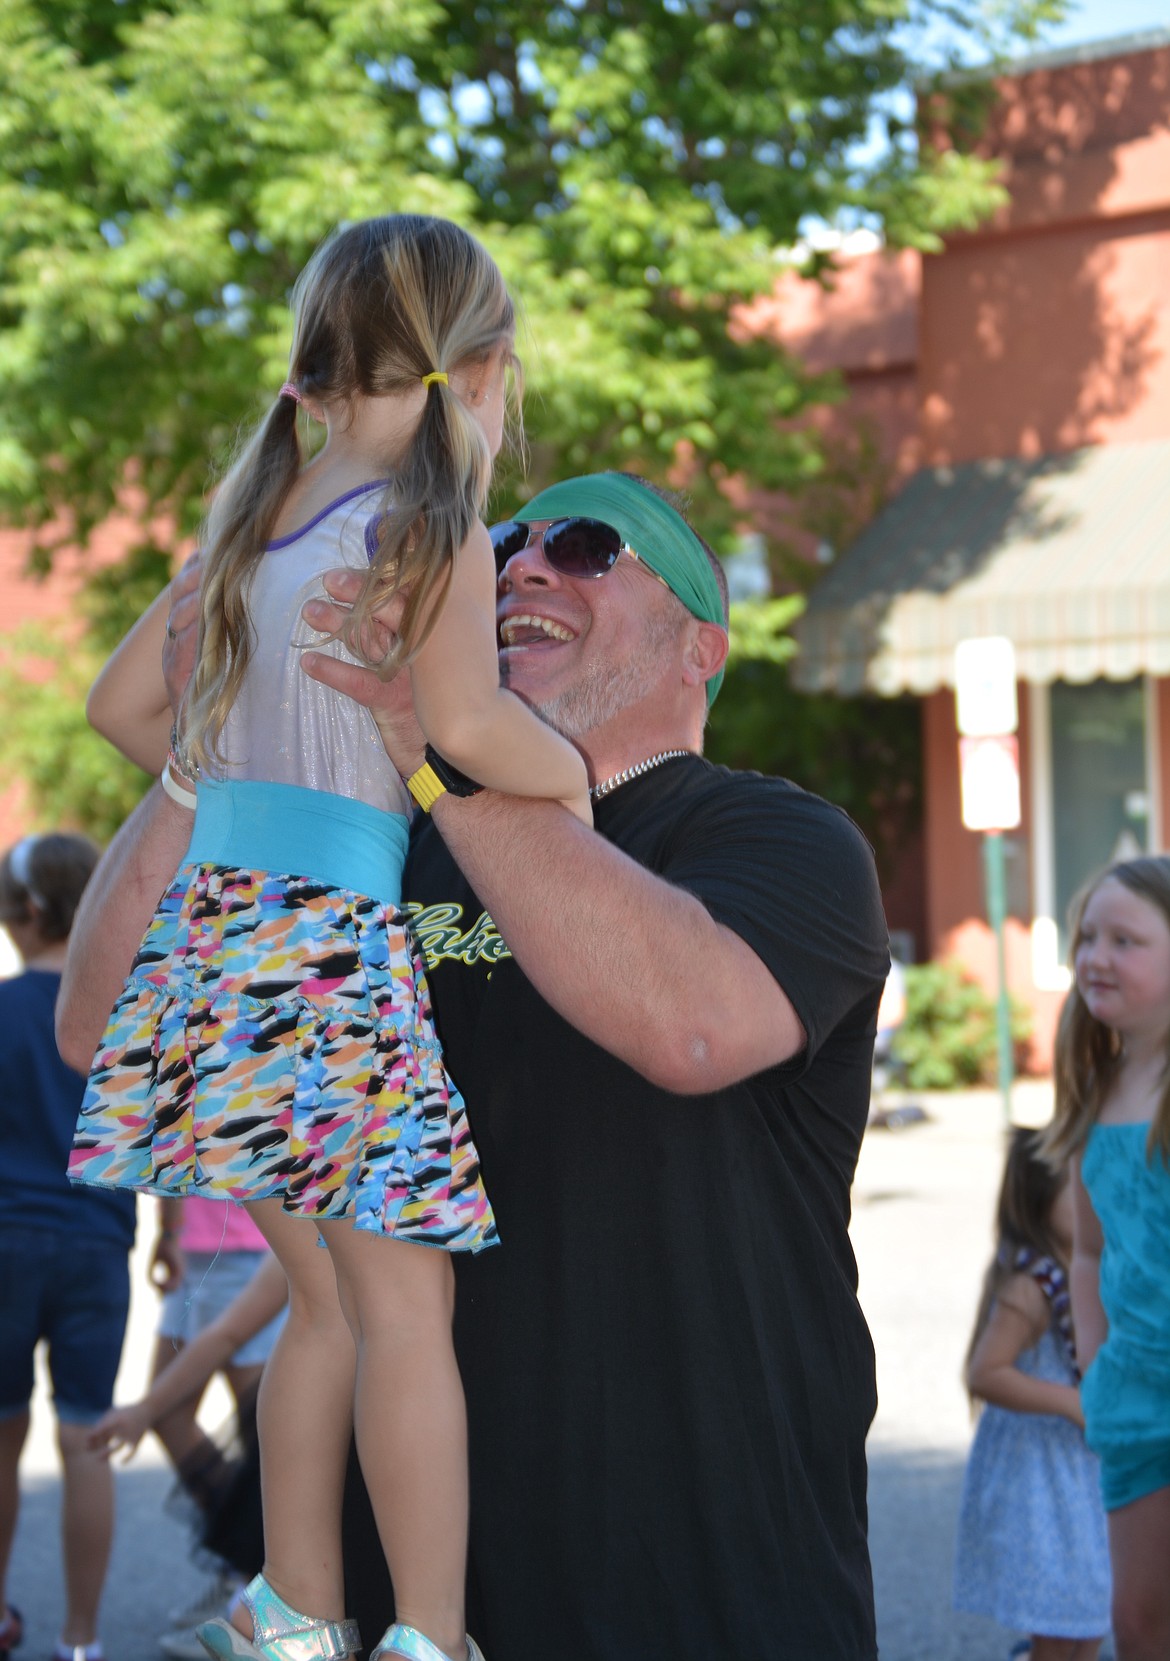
<point x="1100" y="793"/>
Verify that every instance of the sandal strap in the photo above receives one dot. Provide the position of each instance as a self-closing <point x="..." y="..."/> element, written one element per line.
<point x="408" y="1641"/>
<point x="300" y="1637"/>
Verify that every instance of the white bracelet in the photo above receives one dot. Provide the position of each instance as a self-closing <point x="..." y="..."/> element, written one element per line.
<point x="176" y="791"/>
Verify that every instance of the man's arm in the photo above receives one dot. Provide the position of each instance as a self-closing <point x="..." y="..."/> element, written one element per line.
<point x="117" y="906"/>
<point x="633" y="962"/>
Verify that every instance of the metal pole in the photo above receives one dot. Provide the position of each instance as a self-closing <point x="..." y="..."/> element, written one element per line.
<point x="993" y="865"/>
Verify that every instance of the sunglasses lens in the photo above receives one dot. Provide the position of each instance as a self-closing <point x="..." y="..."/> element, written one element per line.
<point x="582" y="547"/>
<point x="508" y="539"/>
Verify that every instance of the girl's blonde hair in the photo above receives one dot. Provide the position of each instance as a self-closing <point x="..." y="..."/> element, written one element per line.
<point x="380" y="305"/>
<point x="1088" y="1053"/>
<point x="1030" y="1187"/>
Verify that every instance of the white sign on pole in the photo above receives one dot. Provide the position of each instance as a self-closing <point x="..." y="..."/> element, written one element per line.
<point x="989" y="777"/>
<point x="985" y="687"/>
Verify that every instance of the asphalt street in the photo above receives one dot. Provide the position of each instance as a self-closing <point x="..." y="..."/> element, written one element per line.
<point x="922" y="1232"/>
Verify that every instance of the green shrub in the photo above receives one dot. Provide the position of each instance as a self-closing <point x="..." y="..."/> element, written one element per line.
<point x="948" y="1038"/>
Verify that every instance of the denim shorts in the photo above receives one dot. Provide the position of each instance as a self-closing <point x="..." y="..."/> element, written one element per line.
<point x="75" y="1294"/>
<point x="214" y="1280"/>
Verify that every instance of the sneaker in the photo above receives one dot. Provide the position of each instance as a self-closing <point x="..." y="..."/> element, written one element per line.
<point x="217" y="1592"/>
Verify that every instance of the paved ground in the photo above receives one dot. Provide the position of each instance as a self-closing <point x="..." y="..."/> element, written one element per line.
<point x="922" y="1230"/>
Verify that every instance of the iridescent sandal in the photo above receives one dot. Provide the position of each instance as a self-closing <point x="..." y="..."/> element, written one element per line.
<point x="279" y="1632"/>
<point x="409" y="1642"/>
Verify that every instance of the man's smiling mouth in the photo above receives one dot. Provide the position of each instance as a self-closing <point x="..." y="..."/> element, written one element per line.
<point x="530" y="629"/>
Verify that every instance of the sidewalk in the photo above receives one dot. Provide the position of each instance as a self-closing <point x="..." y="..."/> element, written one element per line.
<point x="923" y="1204"/>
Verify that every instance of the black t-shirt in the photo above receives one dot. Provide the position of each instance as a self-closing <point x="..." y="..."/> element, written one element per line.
<point x="669" y="1379"/>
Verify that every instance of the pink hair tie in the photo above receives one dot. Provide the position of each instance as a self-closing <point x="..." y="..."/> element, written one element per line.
<point x="288" y="390"/>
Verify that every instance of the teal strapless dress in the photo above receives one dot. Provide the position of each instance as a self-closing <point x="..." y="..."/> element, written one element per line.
<point x="1126" y="1391"/>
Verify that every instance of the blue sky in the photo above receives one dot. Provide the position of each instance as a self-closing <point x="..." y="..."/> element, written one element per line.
<point x="1103" y="19"/>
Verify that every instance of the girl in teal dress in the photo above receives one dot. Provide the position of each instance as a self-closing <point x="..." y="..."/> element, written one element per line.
<point x="1113" y="1120"/>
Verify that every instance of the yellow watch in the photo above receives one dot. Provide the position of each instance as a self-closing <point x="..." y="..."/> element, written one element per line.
<point x="425" y="786"/>
<point x="435" y="778"/>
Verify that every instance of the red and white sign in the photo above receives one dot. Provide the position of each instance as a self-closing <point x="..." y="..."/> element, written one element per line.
<point x="989" y="770"/>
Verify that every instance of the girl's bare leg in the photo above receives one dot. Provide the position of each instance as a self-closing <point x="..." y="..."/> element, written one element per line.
<point x="13" y="1431"/>
<point x="1139" y="1546"/>
<point x="1064" y="1649"/>
<point x="304" y="1421"/>
<point x="87" y="1531"/>
<point x="410" y="1421"/>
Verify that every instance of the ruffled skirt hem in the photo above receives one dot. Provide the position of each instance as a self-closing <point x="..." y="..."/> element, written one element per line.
<point x="275" y="1040"/>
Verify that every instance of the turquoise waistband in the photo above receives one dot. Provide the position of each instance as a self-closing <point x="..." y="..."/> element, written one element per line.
<point x="292" y="831"/>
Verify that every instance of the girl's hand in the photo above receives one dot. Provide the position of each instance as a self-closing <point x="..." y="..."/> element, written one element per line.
<point x="167" y="1264"/>
<point x="122" y="1428"/>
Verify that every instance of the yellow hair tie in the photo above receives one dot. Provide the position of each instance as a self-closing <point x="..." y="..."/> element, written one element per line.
<point x="435" y="375"/>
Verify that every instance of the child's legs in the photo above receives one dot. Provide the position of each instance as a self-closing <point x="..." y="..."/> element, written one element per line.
<point x="23" y="1254"/>
<point x="87" y="1531"/>
<point x="1063" y="1649"/>
<point x="304" y="1421"/>
<point x="1139" y="1548"/>
<point x="13" y="1430"/>
<point x="85" y="1319"/>
<point x="409" y="1420"/>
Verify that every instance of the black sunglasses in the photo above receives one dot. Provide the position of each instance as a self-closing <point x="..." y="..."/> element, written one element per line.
<point x="575" y="547"/>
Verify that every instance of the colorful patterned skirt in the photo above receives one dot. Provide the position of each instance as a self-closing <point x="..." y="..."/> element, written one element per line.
<point x="275" y="1039"/>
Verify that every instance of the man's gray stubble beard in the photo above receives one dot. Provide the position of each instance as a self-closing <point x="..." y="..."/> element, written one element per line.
<point x="599" y="696"/>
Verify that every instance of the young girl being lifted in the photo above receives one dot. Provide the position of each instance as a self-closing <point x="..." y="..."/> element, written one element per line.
<point x="274" y="1043"/>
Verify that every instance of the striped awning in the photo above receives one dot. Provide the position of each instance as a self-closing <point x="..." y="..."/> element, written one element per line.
<point x="1069" y="556"/>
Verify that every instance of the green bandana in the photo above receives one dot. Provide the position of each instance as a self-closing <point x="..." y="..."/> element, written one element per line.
<point x="656" y="532"/>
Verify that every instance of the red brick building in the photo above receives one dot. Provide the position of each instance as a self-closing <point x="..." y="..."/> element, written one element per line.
<point x="1015" y="388"/>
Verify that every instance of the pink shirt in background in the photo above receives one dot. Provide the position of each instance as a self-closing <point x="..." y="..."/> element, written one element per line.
<point x="218" y="1226"/>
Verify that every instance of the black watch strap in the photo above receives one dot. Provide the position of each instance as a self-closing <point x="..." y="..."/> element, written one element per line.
<point x="450" y="777"/>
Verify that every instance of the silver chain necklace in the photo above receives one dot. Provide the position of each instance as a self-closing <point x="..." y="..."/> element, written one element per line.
<point x="599" y="790"/>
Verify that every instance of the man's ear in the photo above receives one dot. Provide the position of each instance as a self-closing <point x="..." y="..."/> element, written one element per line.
<point x="706" y="652"/>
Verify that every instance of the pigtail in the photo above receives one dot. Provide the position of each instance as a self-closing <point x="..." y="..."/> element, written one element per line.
<point x="440" y="490"/>
<point x="236" y="533"/>
<point x="456" y="317"/>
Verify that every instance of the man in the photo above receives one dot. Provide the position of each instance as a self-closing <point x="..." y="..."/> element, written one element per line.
<point x="663" y="1029"/>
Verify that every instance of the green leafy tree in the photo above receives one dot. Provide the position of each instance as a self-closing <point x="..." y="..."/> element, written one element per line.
<point x="635" y="165"/>
<point x="165" y="170"/>
<point x="74" y="778"/>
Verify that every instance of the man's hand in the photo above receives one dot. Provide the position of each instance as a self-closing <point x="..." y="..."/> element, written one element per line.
<point x="388" y="701"/>
<point x="178" y="658"/>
